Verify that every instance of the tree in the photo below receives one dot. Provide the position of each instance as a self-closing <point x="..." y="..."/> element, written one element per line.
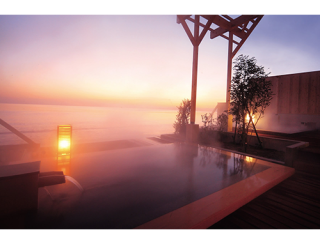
<point x="183" y="116"/>
<point x="207" y="120"/>
<point x="222" y="121"/>
<point x="250" y="95"/>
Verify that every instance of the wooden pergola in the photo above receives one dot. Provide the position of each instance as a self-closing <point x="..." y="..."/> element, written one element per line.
<point x="225" y="27"/>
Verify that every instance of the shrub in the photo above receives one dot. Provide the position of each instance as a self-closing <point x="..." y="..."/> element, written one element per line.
<point x="183" y="117"/>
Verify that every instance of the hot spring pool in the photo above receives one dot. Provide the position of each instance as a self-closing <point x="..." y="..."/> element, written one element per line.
<point x="159" y="186"/>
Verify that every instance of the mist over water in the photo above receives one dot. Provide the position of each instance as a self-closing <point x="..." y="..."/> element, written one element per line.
<point x="89" y="124"/>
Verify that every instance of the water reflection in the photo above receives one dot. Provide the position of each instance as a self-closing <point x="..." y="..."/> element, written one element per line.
<point x="185" y="154"/>
<point x="241" y="164"/>
<point x="63" y="163"/>
<point x="184" y="157"/>
<point x="213" y="156"/>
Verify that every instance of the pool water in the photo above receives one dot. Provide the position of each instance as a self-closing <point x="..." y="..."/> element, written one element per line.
<point x="129" y="187"/>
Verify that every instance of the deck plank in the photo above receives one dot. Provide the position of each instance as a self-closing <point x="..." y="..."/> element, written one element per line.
<point x="287" y="203"/>
<point x="259" y="224"/>
<point x="292" y="204"/>
<point x="302" y="200"/>
<point x="309" y="209"/>
<point x="281" y="219"/>
<point x="266" y="219"/>
<point x="275" y="212"/>
<point x="243" y="224"/>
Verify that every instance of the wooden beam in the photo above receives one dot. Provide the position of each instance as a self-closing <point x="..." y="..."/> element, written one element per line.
<point x="179" y="17"/>
<point x="187" y="30"/>
<point x="244" y="26"/>
<point x="247" y="35"/>
<point x="227" y="38"/>
<point x="204" y="31"/>
<point x="234" y="26"/>
<point x="210" y="29"/>
<point x="202" y="25"/>
<point x="196" y="29"/>
<point x="194" y="72"/>
<point x="225" y="26"/>
<point x="227" y="17"/>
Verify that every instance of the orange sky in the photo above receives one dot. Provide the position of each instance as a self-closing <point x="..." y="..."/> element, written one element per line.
<point x="115" y="60"/>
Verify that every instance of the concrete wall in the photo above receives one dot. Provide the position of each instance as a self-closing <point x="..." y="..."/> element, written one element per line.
<point x="221" y="107"/>
<point x="289" y="147"/>
<point x="298" y="93"/>
<point x="296" y="104"/>
<point x="267" y="142"/>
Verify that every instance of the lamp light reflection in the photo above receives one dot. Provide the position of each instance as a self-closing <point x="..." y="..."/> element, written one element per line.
<point x="249" y="159"/>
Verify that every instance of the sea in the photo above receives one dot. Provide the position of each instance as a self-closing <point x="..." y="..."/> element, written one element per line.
<point x="89" y="124"/>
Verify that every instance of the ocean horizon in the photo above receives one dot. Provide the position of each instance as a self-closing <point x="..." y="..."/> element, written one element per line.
<point x="89" y="124"/>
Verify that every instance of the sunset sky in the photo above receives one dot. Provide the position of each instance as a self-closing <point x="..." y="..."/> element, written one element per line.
<point x="137" y="60"/>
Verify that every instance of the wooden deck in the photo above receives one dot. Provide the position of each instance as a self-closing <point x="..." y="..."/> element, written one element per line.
<point x="293" y="204"/>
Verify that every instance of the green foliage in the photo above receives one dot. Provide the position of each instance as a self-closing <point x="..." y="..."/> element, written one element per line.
<point x="222" y="122"/>
<point x="183" y="116"/>
<point x="250" y="92"/>
<point x="207" y="120"/>
<point x="207" y="133"/>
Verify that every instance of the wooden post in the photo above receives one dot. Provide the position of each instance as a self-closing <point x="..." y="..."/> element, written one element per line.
<point x="229" y="73"/>
<point x="194" y="71"/>
<point x="194" y="84"/>
<point x="195" y="39"/>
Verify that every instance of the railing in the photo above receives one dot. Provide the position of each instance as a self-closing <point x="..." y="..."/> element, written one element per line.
<point x="18" y="133"/>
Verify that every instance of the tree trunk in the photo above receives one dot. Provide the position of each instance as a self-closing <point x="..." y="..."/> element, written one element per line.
<point x="244" y="136"/>
<point x="235" y="132"/>
<point x="255" y="131"/>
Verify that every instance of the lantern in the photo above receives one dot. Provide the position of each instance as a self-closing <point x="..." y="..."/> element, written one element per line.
<point x="64" y="136"/>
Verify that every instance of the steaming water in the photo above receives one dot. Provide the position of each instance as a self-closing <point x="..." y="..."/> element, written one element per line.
<point x="90" y="124"/>
<point x="72" y="180"/>
<point x="76" y="183"/>
<point x="48" y="193"/>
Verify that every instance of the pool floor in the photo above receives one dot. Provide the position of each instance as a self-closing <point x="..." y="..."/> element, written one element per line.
<point x="159" y="186"/>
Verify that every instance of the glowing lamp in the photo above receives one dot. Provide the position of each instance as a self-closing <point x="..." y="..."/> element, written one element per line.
<point x="248" y="118"/>
<point x="64" y="133"/>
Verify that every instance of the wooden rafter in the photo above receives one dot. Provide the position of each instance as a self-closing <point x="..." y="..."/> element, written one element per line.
<point x="233" y="26"/>
<point x="225" y="26"/>
<point x="228" y="17"/>
<point x="238" y="27"/>
<point x="255" y="22"/>
<point x="195" y="39"/>
<point x="182" y="21"/>
<point x="210" y="29"/>
<point x="227" y="38"/>
<point x="181" y="17"/>
<point x="206" y="28"/>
